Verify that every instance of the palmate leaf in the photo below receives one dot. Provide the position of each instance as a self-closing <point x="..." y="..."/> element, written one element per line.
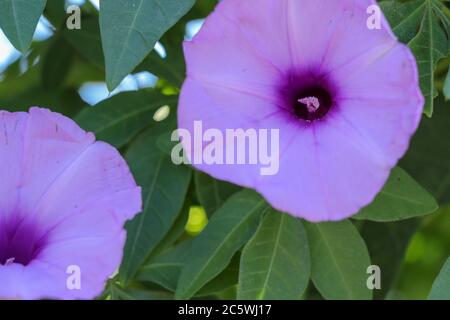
<point x="166" y="268"/>
<point x="441" y="286"/>
<point x="55" y="12"/>
<point x="212" y="193"/>
<point x="130" y="30"/>
<point x="164" y="187"/>
<point x="425" y="27"/>
<point x="176" y="232"/>
<point x="339" y="260"/>
<point x="428" y="156"/>
<point x="447" y="86"/>
<point x="87" y="41"/>
<point x="275" y="264"/>
<point x="225" y="280"/>
<point x="229" y="228"/>
<point x="57" y="63"/>
<point x="118" y="293"/>
<point x="19" y="91"/>
<point x="118" y="119"/>
<point x="387" y="244"/>
<point x="172" y="67"/>
<point x="14" y="79"/>
<point x="401" y="198"/>
<point x="18" y="20"/>
<point x="67" y="101"/>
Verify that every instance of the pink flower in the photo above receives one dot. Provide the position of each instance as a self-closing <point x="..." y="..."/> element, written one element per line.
<point x="345" y="98"/>
<point x="64" y="199"/>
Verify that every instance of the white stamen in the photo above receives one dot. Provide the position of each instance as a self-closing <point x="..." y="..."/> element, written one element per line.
<point x="312" y="103"/>
<point x="9" y="261"/>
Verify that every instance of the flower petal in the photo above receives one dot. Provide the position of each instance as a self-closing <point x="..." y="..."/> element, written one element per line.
<point x="216" y="109"/>
<point x="52" y="143"/>
<point x="340" y="35"/>
<point x="12" y="126"/>
<point x="98" y="175"/>
<point x="329" y="168"/>
<point x="392" y="108"/>
<point x="230" y="60"/>
<point x="74" y="194"/>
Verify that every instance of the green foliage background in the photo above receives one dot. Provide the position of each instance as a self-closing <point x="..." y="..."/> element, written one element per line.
<point x="247" y="250"/>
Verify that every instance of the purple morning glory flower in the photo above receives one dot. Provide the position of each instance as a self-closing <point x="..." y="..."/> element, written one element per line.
<point x="345" y="98"/>
<point x="64" y="199"/>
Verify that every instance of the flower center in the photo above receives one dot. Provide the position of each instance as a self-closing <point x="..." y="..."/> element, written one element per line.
<point x="307" y="94"/>
<point x="19" y="243"/>
<point x="312" y="103"/>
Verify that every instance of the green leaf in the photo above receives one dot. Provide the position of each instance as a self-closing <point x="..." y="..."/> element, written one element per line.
<point x="118" y="293"/>
<point x="176" y="232"/>
<point x="164" y="187"/>
<point x="427" y="159"/>
<point x="165" y="269"/>
<point x="401" y="198"/>
<point x="425" y="27"/>
<point x="229" y="228"/>
<point x="17" y="84"/>
<point x="165" y="143"/>
<point x="171" y="68"/>
<point x="212" y="193"/>
<point x="145" y="295"/>
<point x="82" y="72"/>
<point x="387" y="244"/>
<point x="130" y="30"/>
<point x="56" y="64"/>
<point x="275" y="264"/>
<point x="339" y="260"/>
<point x="18" y="20"/>
<point x="441" y="286"/>
<point x="118" y="119"/>
<point x="87" y="41"/>
<point x="55" y="12"/>
<point x="447" y="86"/>
<point x="67" y="101"/>
<point x="225" y="280"/>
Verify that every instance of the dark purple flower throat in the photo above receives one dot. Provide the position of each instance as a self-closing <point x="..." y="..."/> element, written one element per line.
<point x="307" y="95"/>
<point x="20" y="242"/>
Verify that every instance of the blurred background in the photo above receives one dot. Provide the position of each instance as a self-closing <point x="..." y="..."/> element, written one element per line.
<point x="425" y="256"/>
<point x="90" y="92"/>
